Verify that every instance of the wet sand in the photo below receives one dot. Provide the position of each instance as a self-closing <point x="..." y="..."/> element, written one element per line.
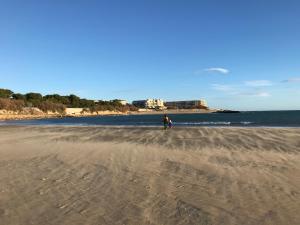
<point x="126" y="175"/>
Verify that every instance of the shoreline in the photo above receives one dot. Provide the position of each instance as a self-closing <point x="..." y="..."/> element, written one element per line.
<point x="13" y="116"/>
<point x="144" y="127"/>
<point x="174" y="111"/>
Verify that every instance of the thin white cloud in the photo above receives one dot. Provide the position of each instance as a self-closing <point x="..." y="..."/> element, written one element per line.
<point x="217" y="70"/>
<point x="222" y="87"/>
<point x="292" y="80"/>
<point x="258" y="83"/>
<point x="262" y="94"/>
<point x="238" y="90"/>
<point x="255" y="94"/>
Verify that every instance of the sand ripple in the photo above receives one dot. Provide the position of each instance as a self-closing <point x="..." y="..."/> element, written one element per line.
<point x="123" y="175"/>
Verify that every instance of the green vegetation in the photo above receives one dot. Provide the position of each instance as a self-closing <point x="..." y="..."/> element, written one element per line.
<point x="5" y="93"/>
<point x="19" y="97"/>
<point x="113" y="105"/>
<point x="57" y="103"/>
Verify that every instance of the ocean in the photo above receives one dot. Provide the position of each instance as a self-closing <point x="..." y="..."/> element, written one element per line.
<point x="243" y="119"/>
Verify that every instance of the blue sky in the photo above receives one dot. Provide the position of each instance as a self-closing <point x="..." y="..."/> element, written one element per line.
<point x="241" y="55"/>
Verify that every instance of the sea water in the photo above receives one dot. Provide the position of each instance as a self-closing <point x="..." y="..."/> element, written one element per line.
<point x="243" y="119"/>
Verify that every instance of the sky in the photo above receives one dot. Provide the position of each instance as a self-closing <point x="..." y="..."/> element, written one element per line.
<point x="242" y="55"/>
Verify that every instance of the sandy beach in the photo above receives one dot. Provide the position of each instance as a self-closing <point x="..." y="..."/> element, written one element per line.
<point x="128" y="175"/>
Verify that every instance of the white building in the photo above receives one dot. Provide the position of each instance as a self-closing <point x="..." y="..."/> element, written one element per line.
<point x="149" y="103"/>
<point x="123" y="102"/>
<point x="187" y="104"/>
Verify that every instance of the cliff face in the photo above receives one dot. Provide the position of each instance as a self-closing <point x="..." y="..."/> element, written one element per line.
<point x="27" y="113"/>
<point x="86" y="112"/>
<point x="35" y="113"/>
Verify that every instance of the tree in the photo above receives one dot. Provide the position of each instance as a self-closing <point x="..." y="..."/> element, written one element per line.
<point x="74" y="101"/>
<point x="84" y="103"/>
<point x="5" y="93"/>
<point x="116" y="102"/>
<point x="34" y="98"/>
<point x="18" y="96"/>
<point x="55" y="98"/>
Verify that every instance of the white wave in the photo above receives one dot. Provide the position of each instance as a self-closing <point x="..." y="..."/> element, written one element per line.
<point x="213" y="123"/>
<point x="245" y="122"/>
<point x="203" y="123"/>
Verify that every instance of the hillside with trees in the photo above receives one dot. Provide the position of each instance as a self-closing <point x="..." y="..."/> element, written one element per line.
<point x="56" y="103"/>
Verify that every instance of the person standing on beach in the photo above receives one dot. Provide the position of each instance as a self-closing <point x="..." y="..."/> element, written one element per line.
<point x="165" y="121"/>
<point x="170" y="124"/>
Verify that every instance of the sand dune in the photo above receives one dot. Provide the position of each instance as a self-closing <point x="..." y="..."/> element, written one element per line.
<point x="125" y="175"/>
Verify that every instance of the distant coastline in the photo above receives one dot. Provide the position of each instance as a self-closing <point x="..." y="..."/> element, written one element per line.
<point x="173" y="111"/>
<point x="16" y="106"/>
<point x="9" y="115"/>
